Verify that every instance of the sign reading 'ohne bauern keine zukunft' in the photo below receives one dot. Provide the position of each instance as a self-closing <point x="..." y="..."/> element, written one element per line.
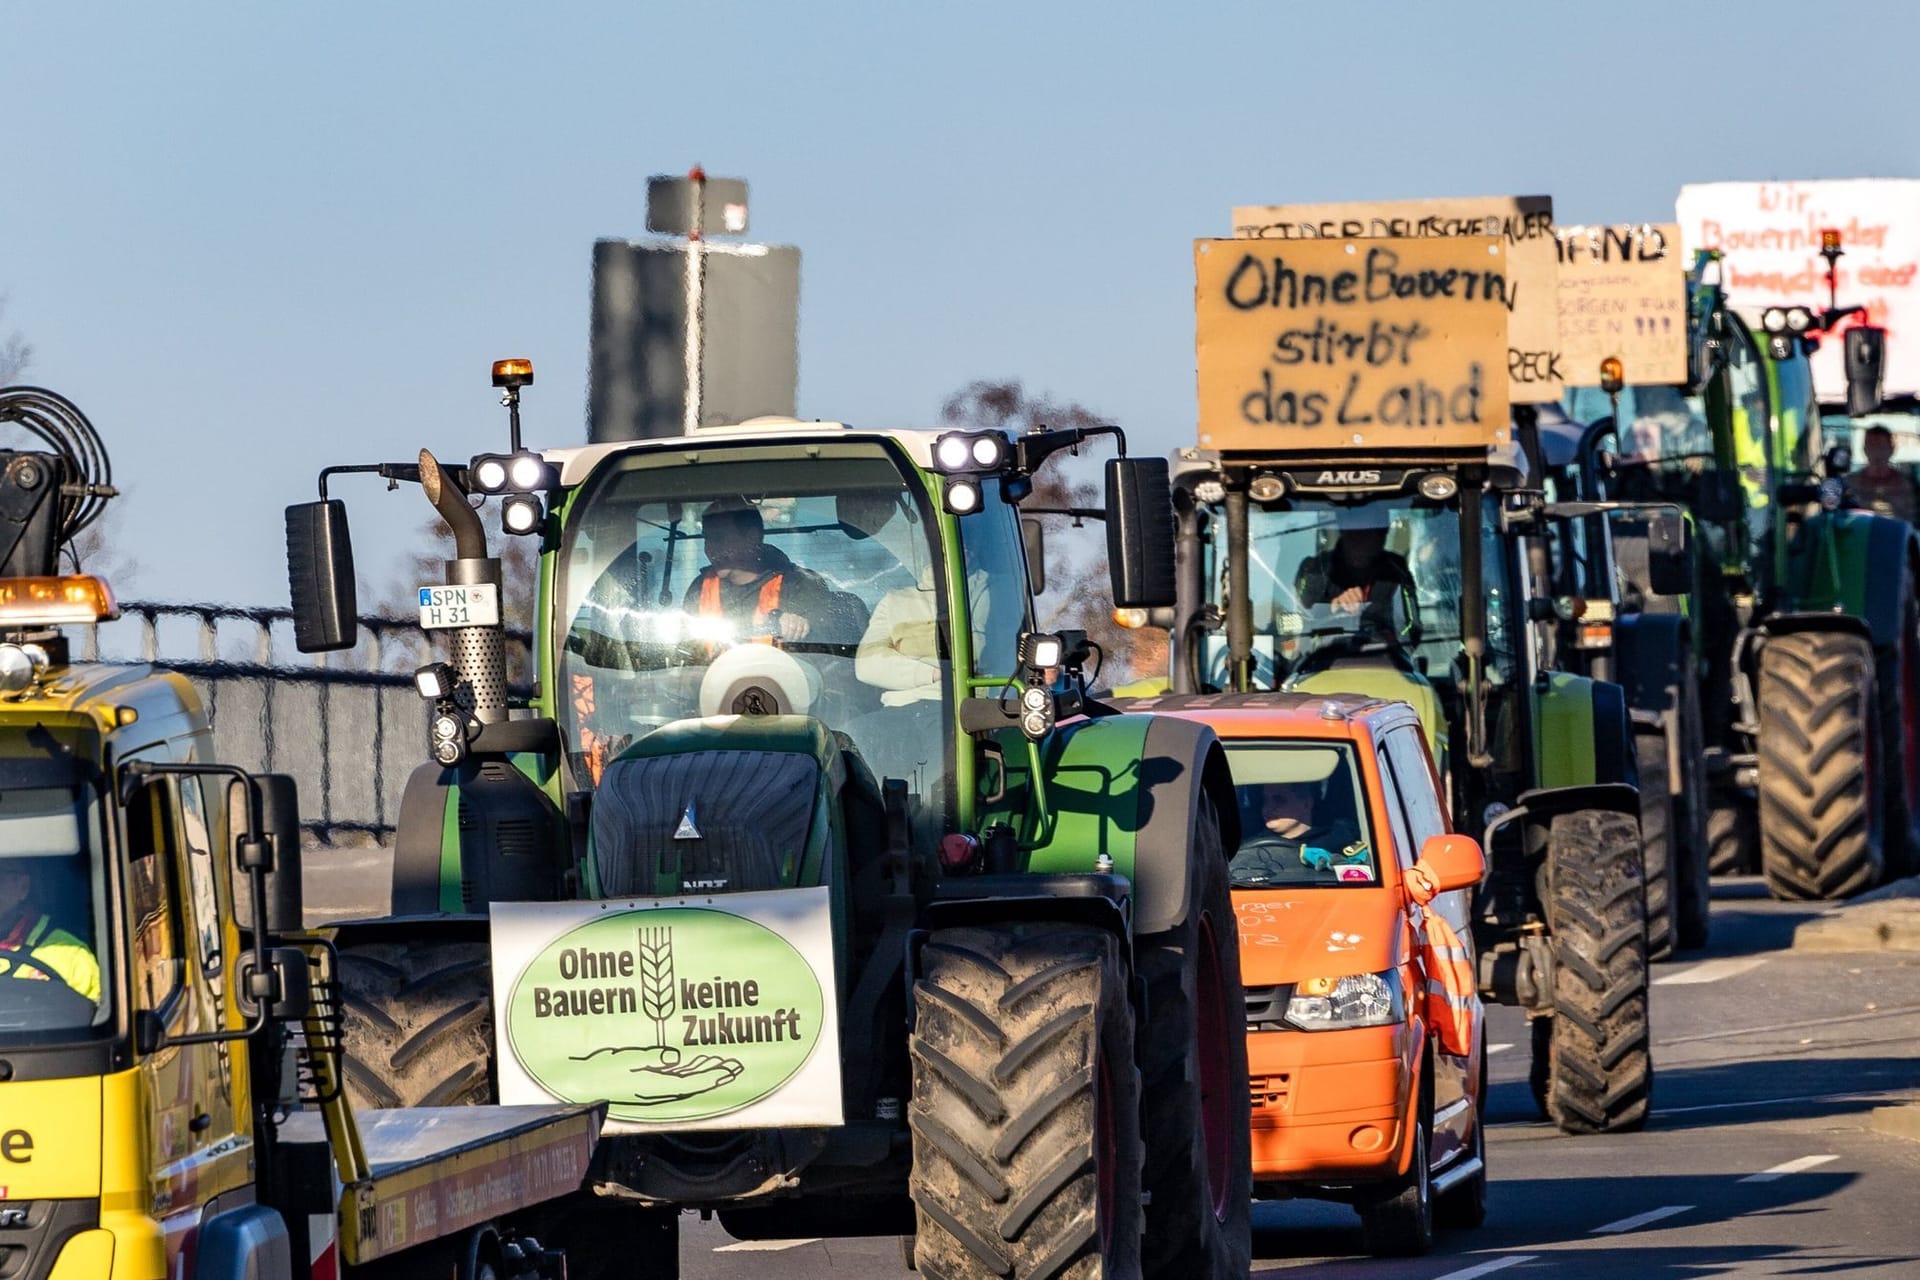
<point x="684" y="1013"/>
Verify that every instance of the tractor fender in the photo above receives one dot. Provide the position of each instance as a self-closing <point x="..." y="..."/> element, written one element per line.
<point x="1129" y="786"/>
<point x="1535" y="810"/>
<point x="1787" y="624"/>
<point x="1651" y="651"/>
<point x="484" y="825"/>
<point x="1843" y="561"/>
<point x="1585" y="732"/>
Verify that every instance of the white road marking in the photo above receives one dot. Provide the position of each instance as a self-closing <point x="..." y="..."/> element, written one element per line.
<point x="1792" y="1166"/>
<point x="1639" y="1220"/>
<point x="1891" y="1095"/>
<point x="1711" y="971"/>
<point x="762" y="1246"/>
<point x="1488" y="1268"/>
<point x="1498" y="1048"/>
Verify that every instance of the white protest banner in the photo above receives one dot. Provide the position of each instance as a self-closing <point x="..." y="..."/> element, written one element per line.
<point x="1623" y="294"/>
<point x="1769" y="233"/>
<point x="1523" y="224"/>
<point x="680" y="1013"/>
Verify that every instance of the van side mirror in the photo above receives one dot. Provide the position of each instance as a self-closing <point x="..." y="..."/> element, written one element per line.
<point x="1866" y="356"/>
<point x="1669" y="567"/>
<point x="277" y="842"/>
<point x="1452" y="862"/>
<point x="320" y="576"/>
<point x="1140" y="533"/>
<point x="1033" y="536"/>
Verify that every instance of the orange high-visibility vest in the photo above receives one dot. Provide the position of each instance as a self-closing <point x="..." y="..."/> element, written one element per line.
<point x="1451" y="999"/>
<point x="710" y="606"/>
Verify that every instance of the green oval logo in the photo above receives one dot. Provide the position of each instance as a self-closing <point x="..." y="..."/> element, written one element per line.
<point x="673" y="1014"/>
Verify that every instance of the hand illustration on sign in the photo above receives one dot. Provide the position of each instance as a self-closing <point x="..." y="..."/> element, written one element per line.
<point x="660" y="1074"/>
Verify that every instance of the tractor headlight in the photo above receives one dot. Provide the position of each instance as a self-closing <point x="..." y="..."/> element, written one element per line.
<point x="526" y="471"/>
<point x="1774" y="320"/>
<point x="490" y="473"/>
<point x="952" y="453"/>
<point x="522" y="513"/>
<point x="1357" y="1000"/>
<point x="963" y="495"/>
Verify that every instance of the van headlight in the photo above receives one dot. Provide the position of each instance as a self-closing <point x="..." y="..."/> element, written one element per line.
<point x="1358" y="1000"/>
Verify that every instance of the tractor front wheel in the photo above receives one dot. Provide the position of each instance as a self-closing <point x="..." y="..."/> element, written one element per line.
<point x="1193" y="1069"/>
<point x="1593" y="1069"/>
<point x="419" y="1023"/>
<point x="1820" y="822"/>
<point x="1026" y="1106"/>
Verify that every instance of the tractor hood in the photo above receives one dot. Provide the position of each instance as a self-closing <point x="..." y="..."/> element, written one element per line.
<point x="1316" y="933"/>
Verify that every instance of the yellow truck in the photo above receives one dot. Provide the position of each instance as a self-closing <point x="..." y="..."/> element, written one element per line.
<point x="170" y="1101"/>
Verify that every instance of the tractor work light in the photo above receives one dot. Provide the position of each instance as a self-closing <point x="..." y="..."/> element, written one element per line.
<point x="1799" y="319"/>
<point x="1036" y="712"/>
<point x="1267" y="487"/>
<point x="489" y="473"/>
<point x="963" y="495"/>
<point x="1131" y="619"/>
<point x="523" y="472"/>
<point x="1039" y="652"/>
<point x="513" y="373"/>
<point x="73" y="599"/>
<point x="522" y="513"/>
<point x="435" y="681"/>
<point x="526" y="471"/>
<point x="1211" y="492"/>
<point x="978" y="452"/>
<point x="1438" y="487"/>
<point x="1774" y="319"/>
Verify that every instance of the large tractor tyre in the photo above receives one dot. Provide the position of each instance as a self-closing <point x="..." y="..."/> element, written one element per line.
<point x="1193" y="1072"/>
<point x="1692" y="811"/>
<point x="1733" y="837"/>
<point x="1657" y="851"/>
<point x="419" y="1023"/>
<point x="1897" y="681"/>
<point x="1398" y="1223"/>
<point x="1593" y="1061"/>
<point x="1026" y="1106"/>
<point x="1820" y="823"/>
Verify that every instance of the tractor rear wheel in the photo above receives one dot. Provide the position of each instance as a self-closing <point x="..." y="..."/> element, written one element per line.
<point x="1657" y="846"/>
<point x="1026" y="1105"/>
<point x="1593" y="1061"/>
<point x="1193" y="1072"/>
<point x="419" y="1023"/>
<point x="1897" y="679"/>
<point x="1820" y="821"/>
<point x="1733" y="837"/>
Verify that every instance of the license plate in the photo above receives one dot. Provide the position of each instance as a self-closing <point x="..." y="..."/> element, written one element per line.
<point x="475" y="606"/>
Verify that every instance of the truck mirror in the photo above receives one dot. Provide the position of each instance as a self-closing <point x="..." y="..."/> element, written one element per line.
<point x="285" y="986"/>
<point x="1866" y="354"/>
<point x="1140" y="533"/>
<point x="1669" y="568"/>
<point x="1033" y="536"/>
<point x="279" y="842"/>
<point x="320" y="576"/>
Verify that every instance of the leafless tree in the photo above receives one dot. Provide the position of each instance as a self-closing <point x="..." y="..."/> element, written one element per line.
<point x="1078" y="595"/>
<point x="16" y="353"/>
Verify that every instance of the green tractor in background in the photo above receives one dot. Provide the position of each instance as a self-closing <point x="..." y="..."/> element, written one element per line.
<point x="1807" y="618"/>
<point x="793" y="664"/>
<point x="1539" y="760"/>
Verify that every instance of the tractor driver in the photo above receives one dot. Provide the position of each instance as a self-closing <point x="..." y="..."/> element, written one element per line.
<point x="1358" y="575"/>
<point x="1880" y="486"/>
<point x="33" y="947"/>
<point x="752" y="585"/>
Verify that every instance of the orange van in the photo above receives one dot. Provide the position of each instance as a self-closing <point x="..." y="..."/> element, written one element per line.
<point x="1366" y="1040"/>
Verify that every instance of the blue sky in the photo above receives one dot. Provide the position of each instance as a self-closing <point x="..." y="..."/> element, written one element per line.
<point x="250" y="240"/>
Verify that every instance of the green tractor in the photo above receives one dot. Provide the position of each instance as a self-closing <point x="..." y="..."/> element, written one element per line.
<point x="811" y="856"/>
<point x="1539" y="760"/>
<point x="1807" y="614"/>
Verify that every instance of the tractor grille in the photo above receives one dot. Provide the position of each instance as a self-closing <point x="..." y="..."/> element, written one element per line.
<point x="712" y="821"/>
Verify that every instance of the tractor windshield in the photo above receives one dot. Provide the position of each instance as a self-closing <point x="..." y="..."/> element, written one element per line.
<point x="1303" y="821"/>
<point x="1379" y="579"/>
<point x="753" y="581"/>
<point x="52" y="900"/>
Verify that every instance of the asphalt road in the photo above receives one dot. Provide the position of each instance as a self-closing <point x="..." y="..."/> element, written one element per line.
<point x="1758" y="1161"/>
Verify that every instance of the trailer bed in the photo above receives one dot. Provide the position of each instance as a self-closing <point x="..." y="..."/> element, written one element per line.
<point x="436" y="1171"/>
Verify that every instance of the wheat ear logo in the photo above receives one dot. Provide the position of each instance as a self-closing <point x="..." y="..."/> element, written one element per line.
<point x="667" y="1014"/>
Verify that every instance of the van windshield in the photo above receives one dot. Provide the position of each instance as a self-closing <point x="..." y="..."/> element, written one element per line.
<point x="1303" y="817"/>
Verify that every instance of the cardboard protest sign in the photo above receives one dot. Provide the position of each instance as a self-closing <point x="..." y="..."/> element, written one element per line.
<point x="1770" y="234"/>
<point x="1523" y="225"/>
<point x="1362" y="345"/>
<point x="1623" y="294"/>
<point x="715" y="1014"/>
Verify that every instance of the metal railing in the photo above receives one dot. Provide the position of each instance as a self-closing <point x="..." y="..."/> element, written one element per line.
<point x="347" y="726"/>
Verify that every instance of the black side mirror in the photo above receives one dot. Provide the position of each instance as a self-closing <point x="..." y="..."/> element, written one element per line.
<point x="1866" y="355"/>
<point x="320" y="575"/>
<point x="1140" y="533"/>
<point x="278" y="799"/>
<point x="1033" y="536"/>
<point x="1669" y="567"/>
